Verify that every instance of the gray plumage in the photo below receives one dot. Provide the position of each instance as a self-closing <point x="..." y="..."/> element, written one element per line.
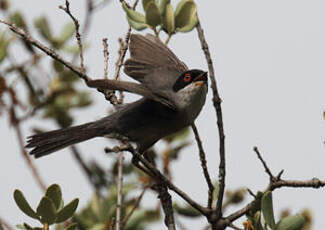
<point x="159" y="113"/>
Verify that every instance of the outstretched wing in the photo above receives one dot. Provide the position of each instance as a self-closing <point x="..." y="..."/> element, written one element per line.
<point x="153" y="64"/>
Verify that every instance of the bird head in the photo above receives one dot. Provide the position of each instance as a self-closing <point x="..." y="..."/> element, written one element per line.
<point x="191" y="88"/>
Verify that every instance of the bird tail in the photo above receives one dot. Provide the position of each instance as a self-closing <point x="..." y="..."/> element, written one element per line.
<point x="49" y="142"/>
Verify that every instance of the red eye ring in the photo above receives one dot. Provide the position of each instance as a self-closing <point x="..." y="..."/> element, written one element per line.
<point x="187" y="77"/>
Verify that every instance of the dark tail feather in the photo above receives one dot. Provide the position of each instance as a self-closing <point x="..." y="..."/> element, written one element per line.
<point x="49" y="142"/>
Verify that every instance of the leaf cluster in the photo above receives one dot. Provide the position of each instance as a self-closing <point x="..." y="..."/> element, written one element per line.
<point x="50" y="210"/>
<point x="161" y="15"/>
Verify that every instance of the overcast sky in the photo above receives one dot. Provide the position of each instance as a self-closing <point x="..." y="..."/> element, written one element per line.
<point x="269" y="58"/>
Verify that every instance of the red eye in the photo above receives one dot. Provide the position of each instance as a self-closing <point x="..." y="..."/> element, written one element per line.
<point x="187" y="77"/>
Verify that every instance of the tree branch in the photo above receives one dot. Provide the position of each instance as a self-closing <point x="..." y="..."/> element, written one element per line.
<point x="78" y="36"/>
<point x="217" y="105"/>
<point x="204" y="165"/>
<point x="154" y="172"/>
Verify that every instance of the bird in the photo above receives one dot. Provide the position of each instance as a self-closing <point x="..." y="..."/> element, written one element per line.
<point x="172" y="97"/>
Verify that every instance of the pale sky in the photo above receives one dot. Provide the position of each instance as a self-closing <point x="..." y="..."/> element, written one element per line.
<point x="269" y="58"/>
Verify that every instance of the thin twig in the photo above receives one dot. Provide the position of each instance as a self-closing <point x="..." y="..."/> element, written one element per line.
<point x="267" y="170"/>
<point x="47" y="50"/>
<point x="106" y="57"/>
<point x="135" y="206"/>
<point x="82" y="163"/>
<point x="23" y="151"/>
<point x="119" y="62"/>
<point x="119" y="190"/>
<point x="157" y="174"/>
<point x="204" y="165"/>
<point x="217" y="105"/>
<point x="78" y="36"/>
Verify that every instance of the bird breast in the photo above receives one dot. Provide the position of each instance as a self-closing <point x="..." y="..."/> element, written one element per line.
<point x="191" y="99"/>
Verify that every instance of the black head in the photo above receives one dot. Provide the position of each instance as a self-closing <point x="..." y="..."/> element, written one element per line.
<point x="188" y="77"/>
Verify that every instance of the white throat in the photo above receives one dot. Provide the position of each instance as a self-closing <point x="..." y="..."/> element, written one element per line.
<point x="191" y="99"/>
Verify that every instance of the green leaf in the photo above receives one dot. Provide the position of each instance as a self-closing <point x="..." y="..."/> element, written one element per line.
<point x="137" y="25"/>
<point x="133" y="15"/>
<point x="23" y="205"/>
<point x="17" y="19"/>
<point x="71" y="227"/>
<point x="152" y="14"/>
<point x="187" y="211"/>
<point x="169" y="19"/>
<point x="67" y="32"/>
<point x="54" y="193"/>
<point x="257" y="221"/>
<point x="44" y="28"/>
<point x="185" y="15"/>
<point x="295" y="222"/>
<point x="28" y="227"/>
<point x="267" y="209"/>
<point x="190" y="26"/>
<point x="145" y="4"/>
<point x="163" y="6"/>
<point x="46" y="210"/>
<point x="67" y="211"/>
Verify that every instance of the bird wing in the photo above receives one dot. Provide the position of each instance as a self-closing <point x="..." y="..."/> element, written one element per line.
<point x="129" y="87"/>
<point x="154" y="65"/>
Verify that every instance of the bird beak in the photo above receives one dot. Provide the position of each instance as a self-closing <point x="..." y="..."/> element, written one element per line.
<point x="202" y="77"/>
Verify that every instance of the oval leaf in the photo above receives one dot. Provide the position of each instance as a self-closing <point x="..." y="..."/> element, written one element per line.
<point x="169" y="19"/>
<point x="152" y="14"/>
<point x="163" y="6"/>
<point x="185" y="11"/>
<point x="54" y="193"/>
<point x="190" y="26"/>
<point x="67" y="211"/>
<point x="137" y="25"/>
<point x="295" y="222"/>
<point x="46" y="210"/>
<point x="23" y="204"/>
<point x="187" y="211"/>
<point x="133" y="15"/>
<point x="44" y="28"/>
<point x="267" y="209"/>
<point x="145" y="4"/>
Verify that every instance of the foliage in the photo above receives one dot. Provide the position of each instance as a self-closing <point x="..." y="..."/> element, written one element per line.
<point x="265" y="209"/>
<point x="50" y="210"/>
<point x="161" y="15"/>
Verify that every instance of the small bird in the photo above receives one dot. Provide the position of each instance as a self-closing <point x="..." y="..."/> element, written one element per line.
<point x="173" y="97"/>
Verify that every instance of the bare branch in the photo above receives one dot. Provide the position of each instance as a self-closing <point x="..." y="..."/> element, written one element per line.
<point x="28" y="160"/>
<point x="83" y="165"/>
<point x="78" y="36"/>
<point x="217" y="105"/>
<point x="204" y="165"/>
<point x="154" y="172"/>
<point x="119" y="190"/>
<point x="24" y="35"/>
<point x="106" y="57"/>
<point x="135" y="206"/>
<point x="267" y="170"/>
